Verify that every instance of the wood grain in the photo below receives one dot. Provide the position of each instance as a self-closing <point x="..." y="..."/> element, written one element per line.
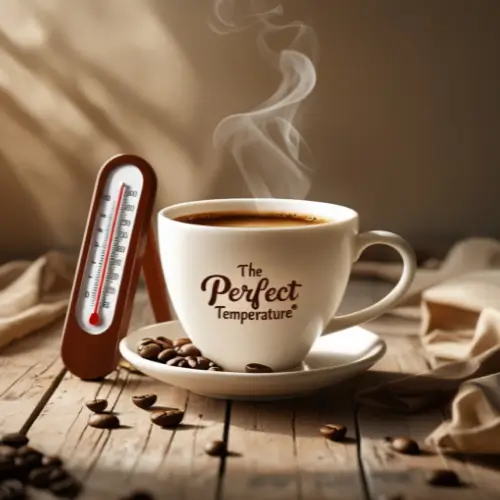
<point x="276" y="449"/>
<point x="283" y="455"/>
<point x="169" y="463"/>
<point x="28" y="368"/>
<point x="390" y="473"/>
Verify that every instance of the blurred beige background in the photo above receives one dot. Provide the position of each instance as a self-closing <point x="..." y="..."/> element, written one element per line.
<point x="404" y="122"/>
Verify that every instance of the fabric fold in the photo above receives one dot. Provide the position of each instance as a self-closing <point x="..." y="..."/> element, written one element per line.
<point x="457" y="307"/>
<point x="34" y="294"/>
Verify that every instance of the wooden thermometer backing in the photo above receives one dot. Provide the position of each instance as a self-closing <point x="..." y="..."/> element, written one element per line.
<point x="117" y="243"/>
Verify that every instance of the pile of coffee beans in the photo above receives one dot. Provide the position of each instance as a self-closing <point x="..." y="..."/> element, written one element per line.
<point x="179" y="352"/>
<point x="22" y="465"/>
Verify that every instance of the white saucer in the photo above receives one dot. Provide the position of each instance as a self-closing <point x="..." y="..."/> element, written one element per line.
<point x="334" y="357"/>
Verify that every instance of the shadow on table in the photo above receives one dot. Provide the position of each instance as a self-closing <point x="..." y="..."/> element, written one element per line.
<point x="390" y="483"/>
<point x="303" y="416"/>
<point x="179" y="480"/>
<point x="487" y="461"/>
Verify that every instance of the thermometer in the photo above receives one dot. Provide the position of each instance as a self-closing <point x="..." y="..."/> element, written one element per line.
<point x="118" y="242"/>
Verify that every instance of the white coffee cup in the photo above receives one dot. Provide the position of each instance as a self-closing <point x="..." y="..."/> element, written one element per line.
<point x="265" y="294"/>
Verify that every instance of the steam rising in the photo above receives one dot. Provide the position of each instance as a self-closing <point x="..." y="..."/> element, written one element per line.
<point x="266" y="146"/>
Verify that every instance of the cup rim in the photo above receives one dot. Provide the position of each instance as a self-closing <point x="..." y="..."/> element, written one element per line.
<point x="168" y="213"/>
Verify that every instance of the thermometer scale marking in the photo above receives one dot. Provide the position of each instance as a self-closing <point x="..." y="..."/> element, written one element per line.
<point x="113" y="227"/>
<point x="94" y="318"/>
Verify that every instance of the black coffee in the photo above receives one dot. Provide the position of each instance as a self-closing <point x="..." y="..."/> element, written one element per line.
<point x="251" y="219"/>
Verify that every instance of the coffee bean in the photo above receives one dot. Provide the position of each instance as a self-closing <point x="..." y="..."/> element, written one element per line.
<point x="144" y="401"/>
<point x="164" y="342"/>
<point x="333" y="432"/>
<point x="13" y="489"/>
<point x="189" y="350"/>
<point x="405" y="445"/>
<point x="104" y="421"/>
<point x="27" y="459"/>
<point x="148" y="341"/>
<point x="97" y="405"/>
<point x="31" y="456"/>
<point x="164" y="345"/>
<point x="40" y="477"/>
<point x="145" y="341"/>
<point x="57" y="474"/>
<point x="167" y="355"/>
<point x="191" y="361"/>
<point x="7" y="467"/>
<point x="68" y="488"/>
<point x="28" y="450"/>
<point x="178" y="361"/>
<point x="215" y="369"/>
<point x="215" y="448"/>
<point x="7" y="451"/>
<point x="167" y="418"/>
<point x="164" y="339"/>
<point x="180" y="342"/>
<point x="15" y="440"/>
<point x="150" y="351"/>
<point x="51" y="461"/>
<point x="203" y="363"/>
<point x="257" y="368"/>
<point x="443" y="477"/>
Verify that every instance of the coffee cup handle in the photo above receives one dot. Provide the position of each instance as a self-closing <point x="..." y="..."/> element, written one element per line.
<point x="363" y="241"/>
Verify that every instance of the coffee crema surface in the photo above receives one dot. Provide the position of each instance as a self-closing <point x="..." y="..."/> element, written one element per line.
<point x="251" y="219"/>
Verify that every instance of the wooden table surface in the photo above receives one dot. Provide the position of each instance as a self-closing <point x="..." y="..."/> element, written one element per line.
<point x="276" y="449"/>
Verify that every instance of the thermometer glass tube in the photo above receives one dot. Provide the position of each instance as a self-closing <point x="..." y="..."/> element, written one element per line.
<point x="102" y="278"/>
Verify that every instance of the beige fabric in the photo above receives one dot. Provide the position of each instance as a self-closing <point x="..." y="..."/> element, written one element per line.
<point x="458" y="308"/>
<point x="33" y="294"/>
<point x="469" y="255"/>
<point x="475" y="423"/>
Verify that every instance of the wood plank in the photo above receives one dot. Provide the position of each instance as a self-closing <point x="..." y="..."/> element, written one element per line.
<point x="167" y="463"/>
<point x="389" y="473"/>
<point x="262" y="435"/>
<point x="283" y="455"/>
<point x="29" y="366"/>
<point x="327" y="469"/>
